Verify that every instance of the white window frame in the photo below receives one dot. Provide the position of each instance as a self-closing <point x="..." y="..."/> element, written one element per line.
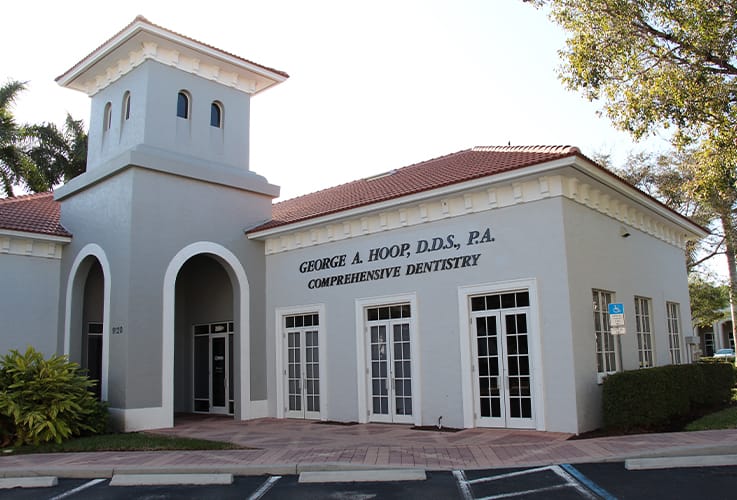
<point x="606" y="334"/>
<point x="644" y="331"/>
<point x="279" y="314"/>
<point x="673" y="319"/>
<point x="361" y="368"/>
<point x="533" y="344"/>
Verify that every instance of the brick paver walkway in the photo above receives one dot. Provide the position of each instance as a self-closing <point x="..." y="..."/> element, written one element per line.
<point x="295" y="443"/>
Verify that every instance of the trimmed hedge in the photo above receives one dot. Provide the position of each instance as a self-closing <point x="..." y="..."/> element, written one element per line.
<point x="653" y="397"/>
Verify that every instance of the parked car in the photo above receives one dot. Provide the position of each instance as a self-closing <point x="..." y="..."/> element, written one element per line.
<point x="724" y="353"/>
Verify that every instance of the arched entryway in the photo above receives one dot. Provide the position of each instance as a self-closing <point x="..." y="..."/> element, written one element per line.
<point x="204" y="338"/>
<point x="206" y="335"/>
<point x="86" y="328"/>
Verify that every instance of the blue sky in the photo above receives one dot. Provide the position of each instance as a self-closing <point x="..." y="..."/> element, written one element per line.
<point x="374" y="85"/>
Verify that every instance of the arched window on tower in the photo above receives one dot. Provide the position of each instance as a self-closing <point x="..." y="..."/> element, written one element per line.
<point x="127" y="106"/>
<point x="183" y="105"/>
<point x="216" y="114"/>
<point x="107" y="117"/>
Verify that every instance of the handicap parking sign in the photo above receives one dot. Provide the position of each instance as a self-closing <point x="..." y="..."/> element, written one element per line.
<point x="616" y="308"/>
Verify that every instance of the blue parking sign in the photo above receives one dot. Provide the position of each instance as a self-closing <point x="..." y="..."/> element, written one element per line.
<point x="616" y="308"/>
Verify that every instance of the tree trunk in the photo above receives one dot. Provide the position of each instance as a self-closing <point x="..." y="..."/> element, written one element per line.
<point x="730" y="241"/>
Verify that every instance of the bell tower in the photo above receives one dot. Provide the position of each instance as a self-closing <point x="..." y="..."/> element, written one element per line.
<point x="160" y="98"/>
<point x="158" y="222"/>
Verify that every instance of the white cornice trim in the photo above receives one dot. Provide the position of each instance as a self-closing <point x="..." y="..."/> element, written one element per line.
<point x="481" y="197"/>
<point x="405" y="200"/>
<point x="32" y="244"/>
<point x="146" y="42"/>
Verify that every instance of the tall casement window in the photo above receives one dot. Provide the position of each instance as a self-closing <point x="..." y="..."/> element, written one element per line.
<point x="183" y="105"/>
<point x="673" y="316"/>
<point x="126" y="106"/>
<point x="606" y="350"/>
<point x="302" y="365"/>
<point x="643" y="321"/>
<point x="216" y="115"/>
<point x="107" y="118"/>
<point x="388" y="329"/>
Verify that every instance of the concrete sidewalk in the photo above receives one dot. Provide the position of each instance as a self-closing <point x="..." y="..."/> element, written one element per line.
<point x="293" y="446"/>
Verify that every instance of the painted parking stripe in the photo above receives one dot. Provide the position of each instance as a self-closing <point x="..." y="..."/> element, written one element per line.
<point x="525" y="492"/>
<point x="76" y="490"/>
<point x="463" y="486"/>
<point x="595" y="488"/>
<point x="264" y="488"/>
<point x="508" y="475"/>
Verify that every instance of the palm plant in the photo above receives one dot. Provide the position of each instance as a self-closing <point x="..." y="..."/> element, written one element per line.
<point x="57" y="155"/>
<point x="13" y="161"/>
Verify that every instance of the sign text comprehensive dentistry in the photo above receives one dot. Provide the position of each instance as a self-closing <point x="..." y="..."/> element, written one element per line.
<point x="390" y="253"/>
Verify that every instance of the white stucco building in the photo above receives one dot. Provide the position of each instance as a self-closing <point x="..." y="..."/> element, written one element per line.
<point x="470" y="289"/>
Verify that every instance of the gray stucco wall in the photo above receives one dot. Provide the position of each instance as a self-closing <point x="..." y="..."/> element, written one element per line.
<point x="153" y="121"/>
<point x="30" y="303"/>
<point x="516" y="253"/>
<point x="639" y="265"/>
<point x="142" y="219"/>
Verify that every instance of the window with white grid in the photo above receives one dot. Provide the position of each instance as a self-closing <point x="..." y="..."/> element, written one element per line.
<point x="673" y="316"/>
<point x="606" y="351"/>
<point x="643" y="322"/>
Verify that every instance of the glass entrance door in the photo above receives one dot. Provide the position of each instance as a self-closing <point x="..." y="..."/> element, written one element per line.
<point x="213" y="368"/>
<point x="302" y="361"/>
<point x="501" y="360"/>
<point x="390" y="362"/>
<point x="219" y="374"/>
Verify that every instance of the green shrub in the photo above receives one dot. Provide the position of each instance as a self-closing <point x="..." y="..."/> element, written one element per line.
<point x="47" y="399"/>
<point x="653" y="397"/>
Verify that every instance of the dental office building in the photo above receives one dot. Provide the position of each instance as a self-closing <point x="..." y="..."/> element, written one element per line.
<point x="470" y="289"/>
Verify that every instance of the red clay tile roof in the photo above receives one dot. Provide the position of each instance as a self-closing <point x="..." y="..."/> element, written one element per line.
<point x="35" y="213"/>
<point x="432" y="174"/>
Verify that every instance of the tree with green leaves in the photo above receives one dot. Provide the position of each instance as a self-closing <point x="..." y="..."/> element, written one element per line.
<point x="668" y="65"/>
<point x="708" y="301"/>
<point x="56" y="155"/>
<point x="13" y="161"/>
<point x="37" y="157"/>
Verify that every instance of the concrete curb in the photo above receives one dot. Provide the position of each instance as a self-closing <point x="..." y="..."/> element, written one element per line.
<point x="675" y="462"/>
<point x="170" y="479"/>
<point x="360" y="476"/>
<point x="28" y="482"/>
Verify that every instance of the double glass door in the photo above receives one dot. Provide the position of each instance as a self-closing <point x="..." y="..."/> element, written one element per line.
<point x="501" y="360"/>
<point x="302" y="373"/>
<point x="390" y="364"/>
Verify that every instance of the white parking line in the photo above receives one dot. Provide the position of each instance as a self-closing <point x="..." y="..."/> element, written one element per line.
<point x="264" y="488"/>
<point x="76" y="490"/>
<point x="570" y="481"/>
<point x="526" y="492"/>
<point x="509" y="474"/>
<point x="573" y="483"/>
<point x="463" y="486"/>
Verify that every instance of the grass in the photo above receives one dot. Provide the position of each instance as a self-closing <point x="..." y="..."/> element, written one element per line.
<point x="130" y="441"/>
<point x="725" y="418"/>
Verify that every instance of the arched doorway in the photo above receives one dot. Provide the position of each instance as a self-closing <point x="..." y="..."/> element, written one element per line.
<point x="86" y="328"/>
<point x="204" y="331"/>
<point x="205" y="310"/>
